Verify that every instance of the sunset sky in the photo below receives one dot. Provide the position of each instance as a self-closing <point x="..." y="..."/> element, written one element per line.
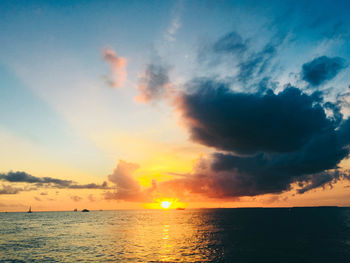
<point x="124" y="104"/>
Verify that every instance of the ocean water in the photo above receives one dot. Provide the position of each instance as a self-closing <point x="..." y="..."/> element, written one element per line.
<point x="212" y="235"/>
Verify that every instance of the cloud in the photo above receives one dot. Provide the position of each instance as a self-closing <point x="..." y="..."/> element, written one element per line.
<point x="230" y="43"/>
<point x="243" y="60"/>
<point x="91" y="198"/>
<point x="270" y="141"/>
<point x="175" y="23"/>
<point x="249" y="176"/>
<point x="122" y="175"/>
<point x="23" y="177"/>
<point x="321" y="180"/>
<point x="76" y="198"/>
<point x="231" y="48"/>
<point x="9" y="190"/>
<point x="127" y="187"/>
<point x="104" y="185"/>
<point x="256" y="63"/>
<point x="322" y="69"/>
<point x="173" y="28"/>
<point x="154" y="84"/>
<point x="42" y="182"/>
<point x="251" y="122"/>
<point x="118" y="67"/>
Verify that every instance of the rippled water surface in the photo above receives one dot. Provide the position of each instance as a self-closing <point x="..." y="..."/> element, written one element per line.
<point x="215" y="235"/>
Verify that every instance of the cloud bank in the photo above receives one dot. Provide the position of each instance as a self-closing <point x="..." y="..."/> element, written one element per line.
<point x="42" y="182"/>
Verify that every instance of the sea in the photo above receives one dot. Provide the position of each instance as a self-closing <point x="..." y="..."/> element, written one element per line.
<point x="319" y="234"/>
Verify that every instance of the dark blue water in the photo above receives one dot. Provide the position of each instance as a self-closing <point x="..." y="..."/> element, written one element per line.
<point x="214" y="235"/>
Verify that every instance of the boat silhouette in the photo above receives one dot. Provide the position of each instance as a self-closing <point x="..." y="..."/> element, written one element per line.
<point x="85" y="210"/>
<point x="30" y="210"/>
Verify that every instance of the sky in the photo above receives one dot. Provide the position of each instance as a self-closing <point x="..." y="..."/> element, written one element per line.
<point x="124" y="104"/>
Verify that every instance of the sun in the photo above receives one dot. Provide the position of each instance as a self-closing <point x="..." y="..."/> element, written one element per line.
<point x="165" y="204"/>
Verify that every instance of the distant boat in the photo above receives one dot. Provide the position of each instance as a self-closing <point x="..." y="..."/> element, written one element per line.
<point x="30" y="210"/>
<point x="85" y="210"/>
<point x="180" y="208"/>
<point x="75" y="210"/>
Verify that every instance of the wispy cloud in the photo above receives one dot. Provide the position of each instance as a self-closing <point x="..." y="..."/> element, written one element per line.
<point x="173" y="28"/>
<point x="118" y="67"/>
<point x="91" y="198"/>
<point x="175" y="23"/>
<point x="76" y="198"/>
<point x="154" y="83"/>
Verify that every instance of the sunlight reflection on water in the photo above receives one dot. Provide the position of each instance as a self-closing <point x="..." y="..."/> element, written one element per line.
<point x="222" y="235"/>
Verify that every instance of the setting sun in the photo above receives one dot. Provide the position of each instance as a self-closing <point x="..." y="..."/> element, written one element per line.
<point x="165" y="204"/>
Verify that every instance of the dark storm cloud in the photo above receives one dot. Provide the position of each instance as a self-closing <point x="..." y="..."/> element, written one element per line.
<point x="286" y="138"/>
<point x="155" y="82"/>
<point x="264" y="173"/>
<point x="322" y="69"/>
<point x="251" y="122"/>
<point x="23" y="177"/>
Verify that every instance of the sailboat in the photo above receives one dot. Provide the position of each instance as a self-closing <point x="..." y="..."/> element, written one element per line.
<point x="30" y="210"/>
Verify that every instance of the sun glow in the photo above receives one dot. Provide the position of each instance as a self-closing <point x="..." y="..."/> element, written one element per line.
<point x="165" y="204"/>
